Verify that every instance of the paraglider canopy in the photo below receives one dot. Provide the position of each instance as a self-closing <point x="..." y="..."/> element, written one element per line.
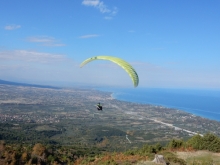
<point x="126" y="66"/>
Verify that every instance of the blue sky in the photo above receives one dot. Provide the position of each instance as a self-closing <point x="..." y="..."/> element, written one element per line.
<point x="170" y="43"/>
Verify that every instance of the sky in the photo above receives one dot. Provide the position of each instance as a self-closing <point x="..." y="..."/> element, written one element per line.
<point x="170" y="43"/>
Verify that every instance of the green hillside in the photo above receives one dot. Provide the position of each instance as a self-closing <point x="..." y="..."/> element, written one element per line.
<point x="196" y="150"/>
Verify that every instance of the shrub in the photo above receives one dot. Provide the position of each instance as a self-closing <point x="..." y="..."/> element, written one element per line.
<point x="211" y="142"/>
<point x="196" y="142"/>
<point x="175" y="144"/>
<point x="208" y="142"/>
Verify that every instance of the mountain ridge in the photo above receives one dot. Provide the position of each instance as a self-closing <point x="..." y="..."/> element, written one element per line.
<point x="4" y="82"/>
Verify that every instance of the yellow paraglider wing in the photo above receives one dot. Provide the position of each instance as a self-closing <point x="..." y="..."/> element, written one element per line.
<point x="126" y="66"/>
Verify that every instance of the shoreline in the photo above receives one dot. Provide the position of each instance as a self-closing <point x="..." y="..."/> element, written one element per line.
<point x="183" y="109"/>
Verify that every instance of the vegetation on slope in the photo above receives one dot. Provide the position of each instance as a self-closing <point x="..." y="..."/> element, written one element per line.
<point x="26" y="154"/>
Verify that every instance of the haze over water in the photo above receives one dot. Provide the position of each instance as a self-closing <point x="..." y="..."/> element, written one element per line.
<point x="200" y="102"/>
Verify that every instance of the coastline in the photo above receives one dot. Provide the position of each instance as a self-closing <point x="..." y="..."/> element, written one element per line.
<point x="156" y="120"/>
<point x="171" y="125"/>
<point x="130" y="97"/>
<point x="187" y="110"/>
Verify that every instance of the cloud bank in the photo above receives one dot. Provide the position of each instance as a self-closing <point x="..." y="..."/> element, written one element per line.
<point x="31" y="56"/>
<point x="45" y="40"/>
<point x="12" y="27"/>
<point x="89" y="36"/>
<point x="101" y="7"/>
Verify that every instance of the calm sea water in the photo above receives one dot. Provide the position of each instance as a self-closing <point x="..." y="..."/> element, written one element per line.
<point x="204" y="103"/>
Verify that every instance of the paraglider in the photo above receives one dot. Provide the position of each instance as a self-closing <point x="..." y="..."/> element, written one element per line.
<point x="99" y="107"/>
<point x="126" y="66"/>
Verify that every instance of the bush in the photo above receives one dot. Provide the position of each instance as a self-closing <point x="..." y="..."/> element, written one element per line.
<point x="208" y="142"/>
<point x="175" y="144"/>
<point x="211" y="142"/>
<point x="195" y="142"/>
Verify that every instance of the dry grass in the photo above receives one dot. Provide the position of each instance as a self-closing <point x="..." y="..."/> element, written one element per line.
<point x="146" y="163"/>
<point x="190" y="156"/>
<point x="200" y="157"/>
<point x="117" y="158"/>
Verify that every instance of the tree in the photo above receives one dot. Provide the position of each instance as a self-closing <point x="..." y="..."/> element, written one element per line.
<point x="38" y="149"/>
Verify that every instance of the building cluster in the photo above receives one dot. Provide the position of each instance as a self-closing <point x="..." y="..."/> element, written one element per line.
<point x="28" y="118"/>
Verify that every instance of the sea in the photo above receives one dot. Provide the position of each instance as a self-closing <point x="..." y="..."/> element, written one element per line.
<point x="200" y="102"/>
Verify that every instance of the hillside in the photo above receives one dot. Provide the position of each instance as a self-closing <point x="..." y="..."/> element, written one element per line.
<point x="62" y="126"/>
<point x="176" y="152"/>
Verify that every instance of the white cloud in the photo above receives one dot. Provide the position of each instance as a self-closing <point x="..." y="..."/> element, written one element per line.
<point x="89" y="36"/>
<point x="12" y="27"/>
<point x="41" y="39"/>
<point x="36" y="66"/>
<point x="114" y="11"/>
<point x="31" y="56"/>
<point x="90" y="2"/>
<point x="45" y="40"/>
<point x="103" y="8"/>
<point x="100" y="6"/>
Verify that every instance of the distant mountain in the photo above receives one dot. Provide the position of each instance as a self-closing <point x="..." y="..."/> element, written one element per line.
<point x="27" y="85"/>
